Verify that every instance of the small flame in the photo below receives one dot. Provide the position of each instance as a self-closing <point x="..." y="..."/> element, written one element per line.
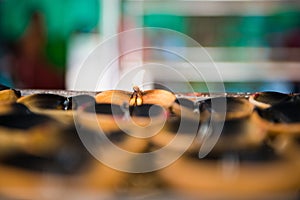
<point x="136" y="98"/>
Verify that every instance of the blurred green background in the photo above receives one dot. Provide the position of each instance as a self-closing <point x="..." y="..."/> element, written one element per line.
<point x="37" y="37"/>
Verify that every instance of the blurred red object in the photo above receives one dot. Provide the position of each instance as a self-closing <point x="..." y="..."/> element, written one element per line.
<point x="32" y="70"/>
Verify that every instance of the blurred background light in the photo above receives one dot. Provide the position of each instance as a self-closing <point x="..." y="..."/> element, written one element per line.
<point x="255" y="44"/>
